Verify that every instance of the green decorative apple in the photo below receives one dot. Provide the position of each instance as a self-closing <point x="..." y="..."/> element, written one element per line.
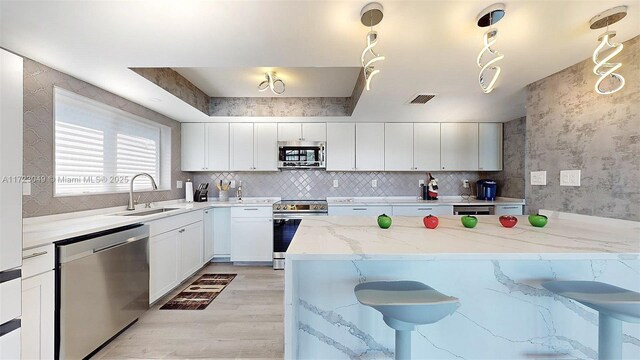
<point x="384" y="221"/>
<point x="538" y="220"/>
<point x="469" y="221"/>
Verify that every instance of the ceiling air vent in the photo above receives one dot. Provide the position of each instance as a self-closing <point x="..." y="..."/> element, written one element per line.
<point x="421" y="98"/>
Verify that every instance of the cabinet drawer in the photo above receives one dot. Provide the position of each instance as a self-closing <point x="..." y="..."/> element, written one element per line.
<point x="10" y="296"/>
<point x="422" y="210"/>
<point x="508" y="210"/>
<point x="37" y="260"/>
<point x="10" y="344"/>
<point x="173" y="222"/>
<point x="252" y="212"/>
<point x="360" y="210"/>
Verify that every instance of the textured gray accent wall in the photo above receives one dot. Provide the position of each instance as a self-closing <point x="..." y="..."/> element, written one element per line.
<point x="512" y="177"/>
<point x="39" y="81"/>
<point x="280" y="106"/>
<point x="317" y="185"/>
<point x="571" y="127"/>
<point x="176" y="84"/>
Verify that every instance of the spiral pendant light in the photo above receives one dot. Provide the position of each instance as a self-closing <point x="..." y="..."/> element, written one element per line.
<point x="272" y="83"/>
<point x="603" y="68"/>
<point x="488" y="17"/>
<point x="370" y="15"/>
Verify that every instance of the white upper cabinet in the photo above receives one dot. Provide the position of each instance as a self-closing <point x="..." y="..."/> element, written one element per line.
<point x="459" y="146"/>
<point x="341" y="147"/>
<point x="265" y="147"/>
<point x="369" y="146"/>
<point x="302" y="132"/>
<point x="398" y="147"/>
<point x="205" y="146"/>
<point x="490" y="146"/>
<point x="314" y="131"/>
<point x="241" y="146"/>
<point x="217" y="147"/>
<point x="426" y="146"/>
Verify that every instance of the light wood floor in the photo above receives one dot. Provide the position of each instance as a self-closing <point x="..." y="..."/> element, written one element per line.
<point x="246" y="321"/>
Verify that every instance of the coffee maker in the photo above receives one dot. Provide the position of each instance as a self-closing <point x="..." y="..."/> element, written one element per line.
<point x="486" y="189"/>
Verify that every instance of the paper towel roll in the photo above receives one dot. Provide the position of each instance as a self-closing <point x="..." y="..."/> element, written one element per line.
<point x="188" y="191"/>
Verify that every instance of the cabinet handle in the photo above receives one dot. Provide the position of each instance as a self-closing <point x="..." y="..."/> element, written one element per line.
<point x="443" y="167"/>
<point x="36" y="254"/>
<point x="181" y="231"/>
<point x="359" y="209"/>
<point x="250" y="209"/>
<point x="510" y="207"/>
<point x="425" y="208"/>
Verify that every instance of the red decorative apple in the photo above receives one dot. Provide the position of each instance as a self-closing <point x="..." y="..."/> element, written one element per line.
<point x="430" y="221"/>
<point x="508" y="221"/>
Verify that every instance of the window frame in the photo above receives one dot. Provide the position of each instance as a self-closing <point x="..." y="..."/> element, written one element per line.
<point x="164" y="147"/>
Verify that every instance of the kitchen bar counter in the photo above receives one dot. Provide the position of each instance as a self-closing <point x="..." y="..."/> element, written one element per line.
<point x="496" y="273"/>
<point x="48" y="229"/>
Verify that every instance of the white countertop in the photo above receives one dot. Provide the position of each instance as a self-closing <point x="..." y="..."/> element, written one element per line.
<point x="360" y="238"/>
<point x="413" y="200"/>
<point x="48" y="229"/>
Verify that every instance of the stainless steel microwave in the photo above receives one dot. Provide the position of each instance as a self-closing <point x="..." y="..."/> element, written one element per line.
<point x="301" y="155"/>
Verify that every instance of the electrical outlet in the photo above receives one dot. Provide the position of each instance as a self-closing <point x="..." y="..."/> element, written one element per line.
<point x="420" y="182"/>
<point x="233" y="184"/>
<point x="179" y="184"/>
<point x="335" y="183"/>
<point x="374" y="183"/>
<point x="539" y="178"/>
<point x="465" y="184"/>
<point x="570" y="178"/>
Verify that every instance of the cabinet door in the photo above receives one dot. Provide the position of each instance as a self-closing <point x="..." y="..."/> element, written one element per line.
<point x="11" y="113"/>
<point x="398" y="147"/>
<point x="209" y="234"/>
<point x="10" y="345"/>
<point x="191" y="247"/>
<point x="38" y="306"/>
<point x="222" y="232"/>
<point x="459" y="146"/>
<point x="289" y="132"/>
<point x="241" y="146"/>
<point x="341" y="147"/>
<point x="217" y="147"/>
<point x="369" y="146"/>
<point x="251" y="239"/>
<point x="265" y="147"/>
<point x="192" y="147"/>
<point x="164" y="264"/>
<point x="490" y="146"/>
<point x="314" y="131"/>
<point x="426" y="146"/>
<point x="360" y="210"/>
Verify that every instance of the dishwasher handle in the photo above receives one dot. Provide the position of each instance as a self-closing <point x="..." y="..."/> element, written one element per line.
<point x="102" y="242"/>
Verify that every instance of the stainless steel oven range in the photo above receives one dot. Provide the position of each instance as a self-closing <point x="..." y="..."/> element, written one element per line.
<point x="287" y="215"/>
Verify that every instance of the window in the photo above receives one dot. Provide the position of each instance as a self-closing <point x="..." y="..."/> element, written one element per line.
<point x="99" y="148"/>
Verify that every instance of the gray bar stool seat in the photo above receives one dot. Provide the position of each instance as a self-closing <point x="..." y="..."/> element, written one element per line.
<point x="405" y="304"/>
<point x="614" y="305"/>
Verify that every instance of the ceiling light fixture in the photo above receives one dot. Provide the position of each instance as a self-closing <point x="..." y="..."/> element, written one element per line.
<point x="370" y="15"/>
<point x="272" y="82"/>
<point x="488" y="17"/>
<point x="603" y="68"/>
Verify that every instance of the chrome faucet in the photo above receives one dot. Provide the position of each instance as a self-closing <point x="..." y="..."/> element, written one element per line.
<point x="131" y="205"/>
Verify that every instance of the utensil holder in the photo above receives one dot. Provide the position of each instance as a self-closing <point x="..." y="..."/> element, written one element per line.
<point x="223" y="195"/>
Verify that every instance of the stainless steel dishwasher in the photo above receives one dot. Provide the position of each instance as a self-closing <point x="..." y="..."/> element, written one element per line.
<point x="473" y="209"/>
<point x="102" y="288"/>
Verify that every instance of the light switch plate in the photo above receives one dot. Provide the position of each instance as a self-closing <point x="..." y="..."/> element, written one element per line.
<point x="232" y="184"/>
<point x="335" y="183"/>
<point x="26" y="188"/>
<point x="179" y="184"/>
<point x="374" y="183"/>
<point x="539" y="178"/>
<point x="570" y="178"/>
<point x="420" y="182"/>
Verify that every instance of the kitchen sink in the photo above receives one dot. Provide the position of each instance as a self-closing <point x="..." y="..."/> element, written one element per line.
<point x="146" y="212"/>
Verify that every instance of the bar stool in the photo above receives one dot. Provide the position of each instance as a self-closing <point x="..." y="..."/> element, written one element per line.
<point x="405" y="304"/>
<point x="613" y="304"/>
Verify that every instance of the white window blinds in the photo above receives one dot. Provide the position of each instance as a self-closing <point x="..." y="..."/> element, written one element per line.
<point x="99" y="148"/>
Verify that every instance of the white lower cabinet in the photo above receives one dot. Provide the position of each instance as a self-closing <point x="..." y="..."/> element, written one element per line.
<point x="251" y="234"/>
<point x="175" y="252"/>
<point x="38" y="307"/>
<point x="422" y="210"/>
<point x="10" y="345"/>
<point x="360" y="210"/>
<point x="222" y="232"/>
<point x="508" y="210"/>
<point x="209" y="234"/>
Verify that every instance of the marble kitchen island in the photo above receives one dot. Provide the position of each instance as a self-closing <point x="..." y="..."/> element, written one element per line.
<point x="495" y="272"/>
